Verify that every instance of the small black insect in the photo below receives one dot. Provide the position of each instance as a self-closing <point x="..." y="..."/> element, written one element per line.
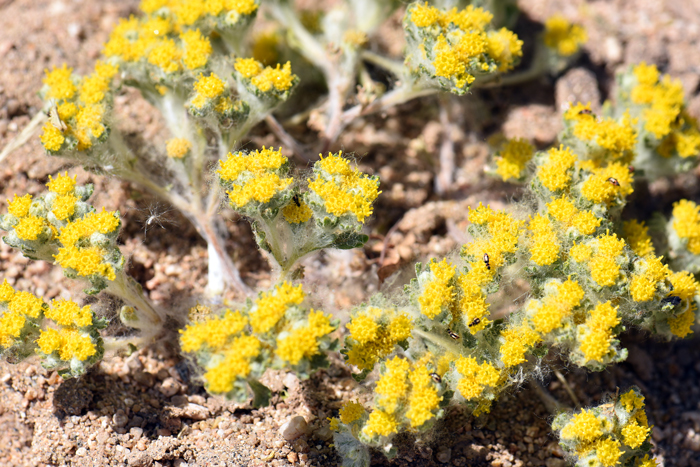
<point x="614" y="181"/>
<point x="436" y="377"/>
<point x="585" y="112"/>
<point x="673" y="300"/>
<point x="486" y="261"/>
<point x="631" y="169"/>
<point x="474" y="322"/>
<point x="295" y="198"/>
<point x="453" y="334"/>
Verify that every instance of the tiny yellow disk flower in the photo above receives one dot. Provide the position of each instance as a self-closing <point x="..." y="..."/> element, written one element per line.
<point x="271" y="306"/>
<point x="516" y="342"/>
<point x="62" y="184"/>
<point x="248" y="67"/>
<point x="643" y="285"/>
<point x="631" y="400"/>
<point x="475" y="377"/>
<point x="392" y="386"/>
<point x="303" y="342"/>
<point x="52" y="138"/>
<point x="363" y="328"/>
<point x="29" y="228"/>
<point x="6" y="291"/>
<point x="681" y="326"/>
<point x="634" y="434"/>
<point x="351" y="412"/>
<point x="563" y="36"/>
<point x="437" y="293"/>
<point x="281" y="79"/>
<point x="177" y="148"/>
<point x="505" y="48"/>
<point x="69" y="343"/>
<point x="208" y="88"/>
<point x="26" y="304"/>
<point x="11" y="325"/>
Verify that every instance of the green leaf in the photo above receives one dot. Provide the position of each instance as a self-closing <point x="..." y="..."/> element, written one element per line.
<point x="261" y="393"/>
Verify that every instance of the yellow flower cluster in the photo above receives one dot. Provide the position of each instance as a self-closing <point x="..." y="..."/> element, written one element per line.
<point x="555" y="173"/>
<point x="63" y="204"/>
<point x="563" y="36"/>
<point x="68" y="343"/>
<point x="664" y="113"/>
<point x="457" y="45"/>
<point x="405" y="396"/>
<point x="516" y="341"/>
<point x="565" y="211"/>
<point x="438" y="292"/>
<point x="686" y="224"/>
<point x="28" y="227"/>
<point x="637" y="236"/>
<point x="605" y="184"/>
<point x="475" y="378"/>
<point x="374" y="334"/>
<point x="80" y="106"/>
<point x="544" y="244"/>
<point x="513" y="158"/>
<point x="19" y="309"/>
<point x="557" y="306"/>
<point x="343" y="190"/>
<point x="255" y="176"/>
<point x="77" y="252"/>
<point x="302" y="342"/>
<point x="177" y="148"/>
<point x="649" y="272"/>
<point x="609" y="434"/>
<point x="269" y="309"/>
<point x="616" y="139"/>
<point x="595" y="337"/>
<point x="237" y="345"/>
<point x="605" y="263"/>
<point x="266" y="78"/>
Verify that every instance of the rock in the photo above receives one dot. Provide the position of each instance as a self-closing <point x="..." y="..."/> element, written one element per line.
<point x="641" y="362"/>
<point x="577" y="85"/>
<point x="195" y="411"/>
<point x="294" y="428"/>
<point x="120" y="419"/>
<point x="555" y="462"/>
<point x="139" y="459"/>
<point x="169" y="387"/>
<point x="144" y="378"/>
<point x="324" y="433"/>
<point x="444" y="454"/>
<point x="291" y="381"/>
<point x="692" y="440"/>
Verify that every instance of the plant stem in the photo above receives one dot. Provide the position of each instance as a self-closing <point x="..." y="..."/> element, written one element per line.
<point x="396" y="67"/>
<point x="438" y="340"/>
<point x="128" y="290"/>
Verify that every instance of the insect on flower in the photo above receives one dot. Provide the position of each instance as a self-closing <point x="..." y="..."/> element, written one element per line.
<point x="585" y="112"/>
<point x="436" y="377"/>
<point x="486" y="261"/>
<point x="295" y="198"/>
<point x="55" y="120"/>
<point x="452" y="334"/>
<point x="614" y="181"/>
<point x="474" y="322"/>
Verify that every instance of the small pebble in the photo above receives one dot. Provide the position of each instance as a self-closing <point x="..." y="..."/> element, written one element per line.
<point x="169" y="387"/>
<point x="294" y="428"/>
<point x="444" y="454"/>
<point x="120" y="419"/>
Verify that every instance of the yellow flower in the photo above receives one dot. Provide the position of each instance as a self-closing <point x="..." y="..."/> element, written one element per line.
<point x="197" y="49"/>
<point x="392" y="386"/>
<point x="608" y="452"/>
<point x="207" y="88"/>
<point x="553" y="174"/>
<point x="271" y="306"/>
<point x="11" y="325"/>
<point x="29" y="228"/>
<point x="563" y="36"/>
<point x="69" y="313"/>
<point x="221" y="377"/>
<point x="584" y="427"/>
<point x="60" y="83"/>
<point x="423" y="400"/>
<point x="475" y="377"/>
<point x="363" y="328"/>
<point x="62" y="184"/>
<point x="6" y="291"/>
<point x="281" y="79"/>
<point x="631" y="400"/>
<point x="643" y="285"/>
<point x="505" y="48"/>
<point x="351" y="412"/>
<point x="516" y="342"/>
<point x="637" y="236"/>
<point x="19" y="206"/>
<point x="604" y="266"/>
<point x="681" y="325"/>
<point x="437" y="293"/>
<point x="177" y="148"/>
<point x="52" y="138"/>
<point x="513" y="158"/>
<point x="544" y="246"/>
<point x="69" y="343"/>
<point x="214" y="332"/>
<point x="605" y="183"/>
<point x="303" y="342"/>
<point x="634" y="435"/>
<point x="297" y="214"/>
<point x="380" y="423"/>
<point x="686" y="223"/>
<point x="424" y="15"/>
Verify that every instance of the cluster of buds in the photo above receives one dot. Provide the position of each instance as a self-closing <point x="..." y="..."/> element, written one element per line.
<point x="274" y="331"/>
<point x="668" y="139"/>
<point x="614" y="433"/>
<point x="450" y="49"/>
<point x="65" y="335"/>
<point x="292" y="216"/>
